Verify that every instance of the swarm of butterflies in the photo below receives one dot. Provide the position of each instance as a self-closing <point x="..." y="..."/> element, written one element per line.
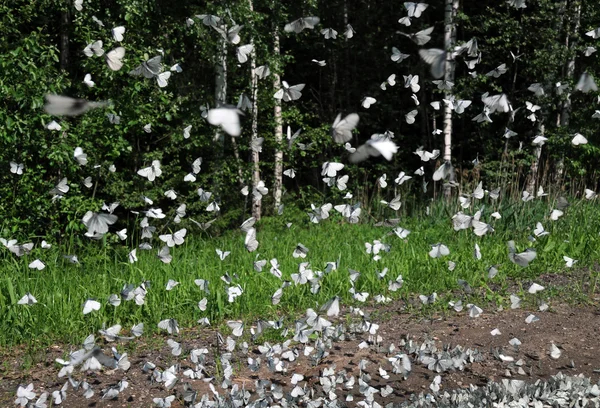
<point x="313" y="336"/>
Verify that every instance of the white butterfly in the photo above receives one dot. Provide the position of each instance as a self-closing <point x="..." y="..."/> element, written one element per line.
<point x="374" y="148"/>
<point x="439" y="250"/>
<point x="163" y="255"/>
<point x="259" y="190"/>
<point x="443" y="85"/>
<point x="477" y="252"/>
<point x="28" y="299"/>
<point x="421" y="37"/>
<point x="231" y="35"/>
<point x="329" y="33"/>
<point x="118" y="32"/>
<point x="226" y="117"/>
<point x="298" y="25"/>
<point x="250" y="241"/>
<point x="578" y="139"/>
<point x="164" y="402"/>
<point x="94" y="48"/>
<point x="237" y="327"/>
<point x="412" y="82"/>
<point x="349" y="33"/>
<point x="176" y="238"/>
<point x="391" y="80"/>
<point x="425" y="155"/>
<point x="398" y="56"/>
<point x="209" y="19"/>
<point x="213" y="206"/>
<point x="222" y="254"/>
<point x="90" y="305"/>
<point x="114" y="58"/>
<point x="586" y="83"/>
<point x="405" y="21"/>
<point x="590" y="194"/>
<point x="395" y="204"/>
<point x="170" y="325"/>
<point x="97" y="223"/>
<point x="330" y="169"/>
<point x="163" y="79"/>
<point x="569" y="261"/>
<point x="16" y="168"/>
<point x="595" y="33"/>
<point x="402" y="177"/>
<point x="37" y="264"/>
<point x="499" y="70"/>
<point x="496" y="103"/>
<point x="415" y="9"/>
<point x="289" y="93"/>
<point x="556" y="214"/>
<point x="80" y="156"/>
<point x="176" y="348"/>
<point x="58" y="105"/>
<point x="341" y="130"/>
<point x="522" y="259"/>
<point x="262" y="72"/>
<point x="437" y="59"/>
<point x="243" y="52"/>
<point x="474" y="311"/>
<point x="537" y="89"/>
<point x="368" y="101"/>
<point x="152" y="171"/>
<point x="410" y="116"/>
<point x="88" y="80"/>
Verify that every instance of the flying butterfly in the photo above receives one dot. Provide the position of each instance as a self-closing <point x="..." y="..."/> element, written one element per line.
<point x="436" y="58"/>
<point x="58" y="105"/>
<point x="289" y="93"/>
<point x="227" y="117"/>
<point x="114" y="58"/>
<point x="302" y="23"/>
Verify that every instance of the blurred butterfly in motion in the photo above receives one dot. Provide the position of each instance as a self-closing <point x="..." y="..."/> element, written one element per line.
<point x="58" y="105"/>
<point x="302" y="23"/>
<point x="228" y="118"/>
<point x="341" y="130"/>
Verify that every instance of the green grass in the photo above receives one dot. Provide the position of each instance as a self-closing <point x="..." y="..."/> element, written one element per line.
<point x="61" y="288"/>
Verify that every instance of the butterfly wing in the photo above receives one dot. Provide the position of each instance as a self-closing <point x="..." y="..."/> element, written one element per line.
<point x="342" y="128"/>
<point x="114" y="58"/>
<point x="227" y="118"/>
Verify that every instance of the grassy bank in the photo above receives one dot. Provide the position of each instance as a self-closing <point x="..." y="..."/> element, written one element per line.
<point x="62" y="287"/>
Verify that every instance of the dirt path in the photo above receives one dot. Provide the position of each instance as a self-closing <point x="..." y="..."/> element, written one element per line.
<point x="574" y="330"/>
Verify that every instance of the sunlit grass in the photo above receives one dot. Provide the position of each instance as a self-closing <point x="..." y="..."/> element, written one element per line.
<point x="61" y="288"/>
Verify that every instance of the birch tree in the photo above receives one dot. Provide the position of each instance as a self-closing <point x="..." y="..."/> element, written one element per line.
<point x="451" y="8"/>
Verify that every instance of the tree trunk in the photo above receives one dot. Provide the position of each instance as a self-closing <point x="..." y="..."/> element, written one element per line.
<point x="256" y="203"/>
<point x="449" y="42"/>
<point x="64" y="40"/>
<point x="535" y="164"/>
<point x="278" y="185"/>
<point x="221" y="87"/>
<point x="571" y="43"/>
<point x="565" y="112"/>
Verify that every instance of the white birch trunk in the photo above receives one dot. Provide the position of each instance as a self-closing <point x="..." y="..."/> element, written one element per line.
<point x="221" y="88"/>
<point x="278" y="185"/>
<point x="535" y="164"/>
<point x="451" y="9"/>
<point x="256" y="203"/>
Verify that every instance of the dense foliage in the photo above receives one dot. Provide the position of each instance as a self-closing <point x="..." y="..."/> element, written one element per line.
<point x="41" y="52"/>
